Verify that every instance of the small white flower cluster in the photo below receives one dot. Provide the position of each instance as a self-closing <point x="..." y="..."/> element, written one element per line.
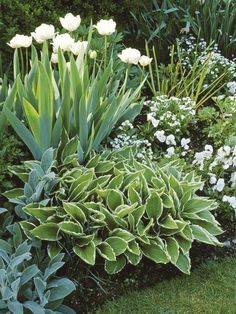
<point x="170" y="113"/>
<point x="225" y="157"/>
<point x="192" y="51"/>
<point x="222" y="165"/>
<point x="231" y="200"/>
<point x="200" y="157"/>
<point x="231" y="87"/>
<point x="123" y="139"/>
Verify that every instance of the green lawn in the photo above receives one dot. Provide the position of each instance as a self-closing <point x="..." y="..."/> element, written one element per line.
<point x="209" y="289"/>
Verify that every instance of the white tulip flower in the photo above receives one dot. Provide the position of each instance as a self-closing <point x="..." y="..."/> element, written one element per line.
<point x="20" y="41"/>
<point x="79" y="47"/>
<point x="145" y="60"/>
<point x="106" y="27"/>
<point x="63" y="41"/>
<point x="70" y="22"/>
<point x="43" y="33"/>
<point x="130" y="55"/>
<point x="54" y="58"/>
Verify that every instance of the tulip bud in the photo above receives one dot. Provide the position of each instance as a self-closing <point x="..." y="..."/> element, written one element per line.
<point x="145" y="60"/>
<point x="54" y="58"/>
<point x="92" y="54"/>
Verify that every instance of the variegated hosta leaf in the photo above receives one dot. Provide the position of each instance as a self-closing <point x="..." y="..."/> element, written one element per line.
<point x="120" y="210"/>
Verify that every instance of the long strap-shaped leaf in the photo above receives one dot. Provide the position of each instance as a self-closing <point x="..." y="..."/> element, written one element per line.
<point x="23" y="133"/>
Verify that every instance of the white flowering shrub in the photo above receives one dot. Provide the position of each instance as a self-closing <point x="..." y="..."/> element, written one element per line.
<point x="169" y="120"/>
<point x="218" y="168"/>
<point x="127" y="135"/>
<point x="190" y="50"/>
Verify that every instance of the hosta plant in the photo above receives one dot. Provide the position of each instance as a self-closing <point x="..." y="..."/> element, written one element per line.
<point x="118" y="210"/>
<point x="28" y="287"/>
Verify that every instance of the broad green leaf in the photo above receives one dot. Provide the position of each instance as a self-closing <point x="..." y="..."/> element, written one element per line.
<point x="14" y="193"/>
<point x="47" y="232"/>
<point x="154" y="206"/>
<point x="198" y="204"/>
<point x="104" y="166"/>
<point x="115" y="266"/>
<point x="116" y="182"/>
<point x="183" y="263"/>
<point x="133" y="247"/>
<point x="114" y="199"/>
<point x="87" y="253"/>
<point x="133" y="258"/>
<point x="154" y="252"/>
<point x="40" y="213"/>
<point x="71" y="228"/>
<point x="75" y="212"/>
<point x="172" y="248"/>
<point x="118" y="245"/>
<point x="123" y="234"/>
<point x="106" y="251"/>
<point x="133" y="196"/>
<point x="169" y="223"/>
<point x="63" y="287"/>
<point x="202" y="235"/>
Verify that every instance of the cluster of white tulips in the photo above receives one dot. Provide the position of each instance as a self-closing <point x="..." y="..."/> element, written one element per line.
<point x="66" y="42"/>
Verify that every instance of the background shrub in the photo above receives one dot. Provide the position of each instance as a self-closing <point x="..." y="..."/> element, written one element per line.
<point x="12" y="152"/>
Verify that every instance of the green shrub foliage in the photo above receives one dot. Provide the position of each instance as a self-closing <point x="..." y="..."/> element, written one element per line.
<point x="23" y="16"/>
<point x="120" y="210"/>
<point x="12" y="152"/>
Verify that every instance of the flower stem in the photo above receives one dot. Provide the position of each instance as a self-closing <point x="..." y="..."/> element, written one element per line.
<point x="22" y="63"/>
<point x="105" y="53"/>
<point x="26" y="60"/>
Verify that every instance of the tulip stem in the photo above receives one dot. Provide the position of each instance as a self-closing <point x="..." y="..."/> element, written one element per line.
<point x="22" y="63"/>
<point x="26" y="58"/>
<point x="105" y="53"/>
<point x="125" y="80"/>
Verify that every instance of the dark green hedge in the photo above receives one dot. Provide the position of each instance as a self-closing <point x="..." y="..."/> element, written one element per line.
<point x="22" y="16"/>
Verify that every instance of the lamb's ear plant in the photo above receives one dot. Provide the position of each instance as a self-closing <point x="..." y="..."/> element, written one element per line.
<point x="118" y="210"/>
<point x="27" y="287"/>
<point x="39" y="179"/>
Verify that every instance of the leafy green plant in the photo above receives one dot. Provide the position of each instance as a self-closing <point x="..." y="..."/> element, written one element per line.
<point x="175" y="79"/>
<point x="219" y="121"/>
<point x="118" y="209"/>
<point x="12" y="152"/>
<point x="161" y="22"/>
<point x="41" y="182"/>
<point x="72" y="100"/>
<point x="25" y="287"/>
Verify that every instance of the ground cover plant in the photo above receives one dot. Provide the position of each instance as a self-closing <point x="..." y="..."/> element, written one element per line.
<point x="114" y="161"/>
